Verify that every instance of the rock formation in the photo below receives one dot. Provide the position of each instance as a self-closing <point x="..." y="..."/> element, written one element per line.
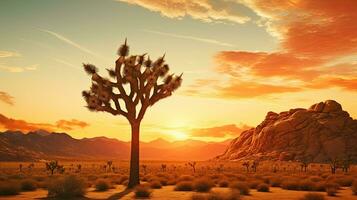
<point x="320" y="133"/>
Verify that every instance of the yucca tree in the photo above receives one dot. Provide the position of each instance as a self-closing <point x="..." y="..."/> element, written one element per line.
<point x="135" y="83"/>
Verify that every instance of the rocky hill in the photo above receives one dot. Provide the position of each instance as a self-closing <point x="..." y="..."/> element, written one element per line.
<point x="319" y="133"/>
<point x="37" y="145"/>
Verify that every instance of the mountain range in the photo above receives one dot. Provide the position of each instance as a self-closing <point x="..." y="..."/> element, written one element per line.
<point x="36" y="145"/>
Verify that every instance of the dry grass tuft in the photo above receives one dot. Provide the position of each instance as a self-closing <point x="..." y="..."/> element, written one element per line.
<point x="102" y="185"/>
<point x="240" y="186"/>
<point x="263" y="187"/>
<point x="203" y="185"/>
<point x="67" y="187"/>
<point x="142" y="191"/>
<point x="155" y="184"/>
<point x="184" y="186"/>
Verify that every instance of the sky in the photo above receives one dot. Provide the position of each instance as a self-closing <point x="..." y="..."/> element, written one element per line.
<point x="239" y="59"/>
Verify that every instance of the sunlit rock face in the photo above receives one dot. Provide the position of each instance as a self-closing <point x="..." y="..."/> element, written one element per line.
<point x="319" y="133"/>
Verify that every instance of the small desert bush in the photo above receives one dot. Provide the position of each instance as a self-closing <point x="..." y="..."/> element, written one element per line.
<point x="290" y="185"/>
<point x="223" y="183"/>
<point x="67" y="187"/>
<point x="28" y="185"/>
<point x="240" y="186"/>
<point x="184" y="186"/>
<point x="254" y="184"/>
<point x="344" y="181"/>
<point x="354" y="187"/>
<point x="203" y="185"/>
<point x="313" y="196"/>
<point x="306" y="185"/>
<point x="263" y="187"/>
<point x="9" y="188"/>
<point x="331" y="191"/>
<point x="142" y="191"/>
<point x="102" y="185"/>
<point x="155" y="184"/>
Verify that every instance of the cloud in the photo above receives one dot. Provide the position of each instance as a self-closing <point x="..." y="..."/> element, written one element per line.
<point x="6" y="98"/>
<point x="209" y="11"/>
<point x="205" y="40"/>
<point x="314" y="37"/>
<point x="70" y="124"/>
<point x="18" y="69"/>
<point x="6" y="54"/>
<point x="70" y="42"/>
<point x="219" y="131"/>
<point x="22" y="125"/>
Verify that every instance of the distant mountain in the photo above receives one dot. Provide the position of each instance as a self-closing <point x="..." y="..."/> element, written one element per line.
<point x="36" y="145"/>
<point x="320" y="133"/>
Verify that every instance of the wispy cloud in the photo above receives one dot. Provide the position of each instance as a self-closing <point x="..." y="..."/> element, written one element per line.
<point x="6" y="54"/>
<point x="65" y="63"/>
<point x="188" y="37"/>
<point x="70" y="42"/>
<point x="18" y="69"/>
<point x="6" y="98"/>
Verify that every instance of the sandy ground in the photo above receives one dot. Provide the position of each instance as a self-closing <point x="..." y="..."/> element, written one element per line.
<point x="168" y="192"/>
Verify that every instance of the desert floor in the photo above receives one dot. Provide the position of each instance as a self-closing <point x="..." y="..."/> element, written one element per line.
<point x="285" y="180"/>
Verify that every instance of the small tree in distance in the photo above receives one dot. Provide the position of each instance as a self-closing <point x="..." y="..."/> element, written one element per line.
<point x="139" y="83"/>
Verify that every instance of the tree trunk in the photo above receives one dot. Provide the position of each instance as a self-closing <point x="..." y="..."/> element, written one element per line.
<point x="134" y="158"/>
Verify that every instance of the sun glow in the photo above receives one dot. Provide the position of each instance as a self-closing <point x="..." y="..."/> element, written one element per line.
<point x="178" y="135"/>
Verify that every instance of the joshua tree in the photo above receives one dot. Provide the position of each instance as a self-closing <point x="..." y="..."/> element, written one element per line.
<point x="193" y="166"/>
<point x="246" y="164"/>
<point x="304" y="163"/>
<point x="255" y="165"/>
<point x="163" y="167"/>
<point x="20" y="167"/>
<point x="334" y="164"/>
<point x="140" y="83"/>
<point x="79" y="167"/>
<point x="109" y="163"/>
<point x="345" y="163"/>
<point x="51" y="166"/>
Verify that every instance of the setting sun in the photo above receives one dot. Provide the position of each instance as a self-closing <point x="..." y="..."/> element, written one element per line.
<point x="178" y="135"/>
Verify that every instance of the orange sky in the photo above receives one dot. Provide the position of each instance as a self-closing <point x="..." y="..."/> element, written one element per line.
<point x="240" y="59"/>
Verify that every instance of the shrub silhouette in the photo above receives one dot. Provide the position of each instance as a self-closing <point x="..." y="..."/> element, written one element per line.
<point x="9" y="188"/>
<point x="241" y="186"/>
<point x="184" y="186"/>
<point x="263" y="187"/>
<point x="67" y="187"/>
<point x="142" y="76"/>
<point x="203" y="185"/>
<point x="142" y="191"/>
<point x="102" y="185"/>
<point x="28" y="185"/>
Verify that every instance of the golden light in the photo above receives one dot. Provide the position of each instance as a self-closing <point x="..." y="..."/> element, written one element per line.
<point x="178" y="135"/>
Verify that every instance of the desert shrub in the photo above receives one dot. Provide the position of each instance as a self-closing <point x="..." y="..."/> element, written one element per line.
<point x="354" y="187"/>
<point x="163" y="181"/>
<point x="331" y="191"/>
<point x="254" y="184"/>
<point x="313" y="196"/>
<point x="102" y="185"/>
<point x="39" y="178"/>
<point x="28" y="185"/>
<point x="203" y="185"/>
<point x="263" y="187"/>
<point x="9" y="188"/>
<point x="320" y="186"/>
<point x="142" y="191"/>
<point x="223" y="183"/>
<point x="67" y="187"/>
<point x="344" y="181"/>
<point x="306" y="185"/>
<point x="155" y="184"/>
<point x="240" y="177"/>
<point x="184" y="186"/>
<point x="315" y="178"/>
<point x="290" y="185"/>
<point x="275" y="181"/>
<point x="240" y="186"/>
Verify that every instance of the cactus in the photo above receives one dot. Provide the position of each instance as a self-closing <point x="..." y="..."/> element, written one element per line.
<point x="147" y="83"/>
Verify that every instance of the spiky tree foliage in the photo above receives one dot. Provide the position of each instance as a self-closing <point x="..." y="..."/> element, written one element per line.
<point x="136" y="83"/>
<point x="51" y="166"/>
